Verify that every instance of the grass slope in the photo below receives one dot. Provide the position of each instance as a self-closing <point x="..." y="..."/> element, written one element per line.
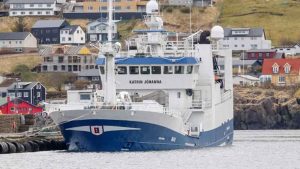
<point x="279" y="18"/>
<point x="9" y="62"/>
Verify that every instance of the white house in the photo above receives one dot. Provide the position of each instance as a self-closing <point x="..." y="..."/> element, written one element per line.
<point x="97" y="30"/>
<point x="31" y="7"/>
<point x="12" y="42"/>
<point x="246" y="80"/>
<point x="289" y="50"/>
<point x="245" y="39"/>
<point x="72" y="35"/>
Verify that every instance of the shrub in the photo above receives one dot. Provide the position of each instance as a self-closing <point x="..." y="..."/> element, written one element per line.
<point x="185" y="10"/>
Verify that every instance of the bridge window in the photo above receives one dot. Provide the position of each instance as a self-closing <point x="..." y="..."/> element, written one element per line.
<point x="189" y="69"/>
<point x="156" y="70"/>
<point x="134" y="70"/>
<point x="168" y="69"/>
<point x="122" y="70"/>
<point x="179" y="69"/>
<point x="145" y="70"/>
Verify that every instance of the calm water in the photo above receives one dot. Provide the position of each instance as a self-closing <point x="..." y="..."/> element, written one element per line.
<point x="251" y="149"/>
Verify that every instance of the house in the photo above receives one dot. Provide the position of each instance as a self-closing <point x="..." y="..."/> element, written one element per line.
<point x="97" y="30"/>
<point x="291" y="50"/>
<point x="17" y="42"/>
<point x="245" y="80"/>
<point x="72" y="35"/>
<point x="31" y="92"/>
<point x="281" y="71"/>
<point x="68" y="58"/>
<point x="48" y="31"/>
<point x="19" y="106"/>
<point x="242" y="66"/>
<point x="32" y="7"/>
<point x="239" y="39"/>
<point x="199" y="3"/>
<point x="119" y="6"/>
<point x="259" y="54"/>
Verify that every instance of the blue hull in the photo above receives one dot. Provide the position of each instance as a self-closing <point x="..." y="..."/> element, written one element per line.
<point x="148" y="137"/>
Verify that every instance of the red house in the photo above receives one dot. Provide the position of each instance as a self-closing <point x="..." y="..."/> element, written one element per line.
<point x="18" y="106"/>
<point x="260" y="54"/>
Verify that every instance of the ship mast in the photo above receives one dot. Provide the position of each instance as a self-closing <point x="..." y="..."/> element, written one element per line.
<point x="109" y="53"/>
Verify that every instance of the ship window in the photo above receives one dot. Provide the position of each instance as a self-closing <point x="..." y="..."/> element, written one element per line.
<point x="134" y="70"/>
<point x="189" y="70"/>
<point x="101" y="69"/>
<point x="168" y="70"/>
<point x="122" y="70"/>
<point x="156" y="69"/>
<point x="179" y="69"/>
<point x="85" y="97"/>
<point x="145" y="70"/>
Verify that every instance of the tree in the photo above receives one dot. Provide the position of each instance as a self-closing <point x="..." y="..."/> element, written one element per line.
<point x="20" y="25"/>
<point x="57" y="80"/>
<point x="21" y="69"/>
<point x="81" y="84"/>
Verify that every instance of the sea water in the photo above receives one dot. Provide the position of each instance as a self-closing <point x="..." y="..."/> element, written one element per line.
<point x="277" y="149"/>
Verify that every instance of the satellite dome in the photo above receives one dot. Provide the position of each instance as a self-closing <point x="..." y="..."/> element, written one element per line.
<point x="151" y="6"/>
<point x="217" y="32"/>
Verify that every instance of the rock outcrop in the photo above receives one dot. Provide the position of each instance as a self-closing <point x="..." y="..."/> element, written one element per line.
<point x="262" y="108"/>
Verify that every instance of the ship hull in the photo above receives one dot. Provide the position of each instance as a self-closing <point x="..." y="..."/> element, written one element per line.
<point x="104" y="134"/>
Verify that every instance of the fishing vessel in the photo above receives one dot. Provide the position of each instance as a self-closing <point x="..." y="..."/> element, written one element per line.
<point x="164" y="92"/>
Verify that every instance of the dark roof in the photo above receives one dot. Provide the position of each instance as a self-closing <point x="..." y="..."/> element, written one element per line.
<point x="48" y="24"/>
<point x="30" y="1"/>
<point x="71" y="28"/>
<point x="253" y="32"/>
<point x="25" y="85"/>
<point x="13" y="35"/>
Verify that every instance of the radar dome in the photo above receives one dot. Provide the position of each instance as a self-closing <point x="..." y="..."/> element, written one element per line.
<point x="217" y="32"/>
<point x="151" y="6"/>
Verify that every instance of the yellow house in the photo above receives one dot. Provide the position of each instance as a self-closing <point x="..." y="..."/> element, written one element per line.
<point x="119" y="5"/>
<point x="281" y="72"/>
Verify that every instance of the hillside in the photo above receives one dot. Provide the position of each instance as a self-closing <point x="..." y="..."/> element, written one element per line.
<point x="279" y="18"/>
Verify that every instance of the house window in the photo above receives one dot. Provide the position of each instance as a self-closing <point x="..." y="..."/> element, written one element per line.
<point x="281" y="79"/>
<point x="63" y="67"/>
<point x="31" y="5"/>
<point x="60" y="59"/>
<point x="19" y="94"/>
<point x="55" y="67"/>
<point x="95" y="78"/>
<point x="44" y="68"/>
<point x="275" y="69"/>
<point x="69" y="39"/>
<point x="38" y="86"/>
<point x="287" y="69"/>
<point x="38" y="94"/>
<point x="47" y="12"/>
<point x="267" y="54"/>
<point x="81" y="38"/>
<point x="253" y="55"/>
<point x="260" y="55"/>
<point x="63" y="39"/>
<point x="48" y="5"/>
<point x="77" y="31"/>
<point x="30" y="13"/>
<point x="26" y="94"/>
<point x="156" y="69"/>
<point x="236" y="46"/>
